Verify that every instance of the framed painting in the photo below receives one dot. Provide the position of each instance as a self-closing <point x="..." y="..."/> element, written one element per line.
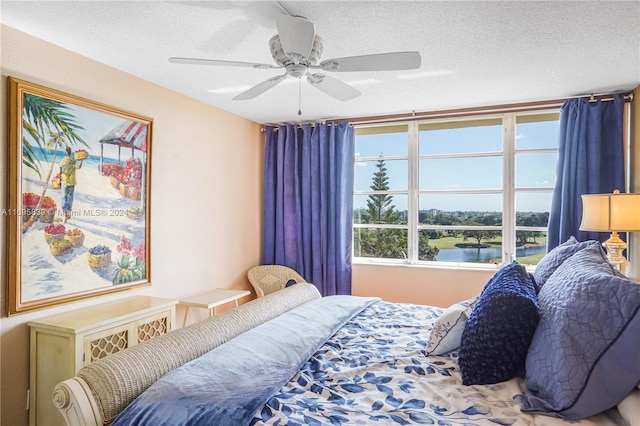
<point x="78" y="213"/>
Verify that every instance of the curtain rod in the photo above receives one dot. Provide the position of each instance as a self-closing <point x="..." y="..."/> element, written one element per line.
<point x="462" y="112"/>
<point x="298" y="125"/>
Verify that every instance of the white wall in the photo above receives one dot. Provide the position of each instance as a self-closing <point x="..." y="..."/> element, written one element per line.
<point x="205" y="191"/>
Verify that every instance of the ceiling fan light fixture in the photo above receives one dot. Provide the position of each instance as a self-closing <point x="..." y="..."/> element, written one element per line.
<point x="296" y="70"/>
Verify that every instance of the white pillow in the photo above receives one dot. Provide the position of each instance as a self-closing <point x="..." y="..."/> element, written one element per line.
<point x="447" y="331"/>
<point x="629" y="408"/>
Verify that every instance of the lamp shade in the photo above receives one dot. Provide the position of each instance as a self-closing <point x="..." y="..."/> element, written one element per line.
<point x="611" y="212"/>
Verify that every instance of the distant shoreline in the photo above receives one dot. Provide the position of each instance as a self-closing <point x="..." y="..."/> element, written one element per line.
<point x="93" y="161"/>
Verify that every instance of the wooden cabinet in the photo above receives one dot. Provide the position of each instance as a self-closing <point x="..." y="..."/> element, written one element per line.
<point x="62" y="344"/>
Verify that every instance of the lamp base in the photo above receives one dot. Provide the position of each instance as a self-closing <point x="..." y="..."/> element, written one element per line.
<point x="615" y="246"/>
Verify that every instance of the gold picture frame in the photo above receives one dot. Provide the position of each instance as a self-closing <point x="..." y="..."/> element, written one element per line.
<point x="78" y="211"/>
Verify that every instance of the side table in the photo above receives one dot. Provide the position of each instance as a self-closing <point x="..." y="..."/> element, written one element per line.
<point x="211" y="299"/>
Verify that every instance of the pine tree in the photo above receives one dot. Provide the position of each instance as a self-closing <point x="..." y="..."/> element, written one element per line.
<point x="379" y="205"/>
<point x="386" y="243"/>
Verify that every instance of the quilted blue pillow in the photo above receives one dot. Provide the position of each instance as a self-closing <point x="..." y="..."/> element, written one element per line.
<point x="498" y="332"/>
<point x="550" y="262"/>
<point x="584" y="356"/>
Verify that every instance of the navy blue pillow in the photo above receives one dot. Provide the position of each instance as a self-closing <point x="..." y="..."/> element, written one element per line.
<point x="499" y="330"/>
<point x="290" y="283"/>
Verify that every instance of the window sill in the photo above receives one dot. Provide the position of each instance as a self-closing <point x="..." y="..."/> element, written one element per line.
<point x="433" y="265"/>
<point x="436" y="265"/>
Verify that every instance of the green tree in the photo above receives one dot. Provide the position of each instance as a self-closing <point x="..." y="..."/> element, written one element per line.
<point x="475" y="235"/>
<point x="386" y="243"/>
<point x="483" y="234"/>
<point x="479" y="235"/>
<point x="532" y="219"/>
<point x="376" y="242"/>
<point x="446" y="219"/>
<point x="379" y="207"/>
<point x="426" y="251"/>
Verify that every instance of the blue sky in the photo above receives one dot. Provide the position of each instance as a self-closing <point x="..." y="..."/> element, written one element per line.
<point x="533" y="170"/>
<point x="96" y="126"/>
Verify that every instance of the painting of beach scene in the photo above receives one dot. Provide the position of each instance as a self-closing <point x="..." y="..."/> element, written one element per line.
<point x="79" y="201"/>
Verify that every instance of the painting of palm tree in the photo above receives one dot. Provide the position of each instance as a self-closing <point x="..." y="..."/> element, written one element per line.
<point x="79" y="191"/>
<point x="42" y="116"/>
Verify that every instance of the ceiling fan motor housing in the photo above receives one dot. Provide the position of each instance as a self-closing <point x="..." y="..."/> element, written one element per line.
<point x="282" y="59"/>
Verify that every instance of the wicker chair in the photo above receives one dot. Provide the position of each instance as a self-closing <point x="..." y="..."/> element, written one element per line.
<point x="266" y="279"/>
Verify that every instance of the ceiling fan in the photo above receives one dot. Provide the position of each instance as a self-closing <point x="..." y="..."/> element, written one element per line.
<point x="297" y="49"/>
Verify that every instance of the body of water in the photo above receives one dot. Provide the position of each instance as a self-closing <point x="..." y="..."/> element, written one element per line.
<point x="483" y="255"/>
<point x="92" y="161"/>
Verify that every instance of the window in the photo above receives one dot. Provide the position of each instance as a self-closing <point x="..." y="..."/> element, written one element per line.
<point x="381" y="192"/>
<point x="473" y="190"/>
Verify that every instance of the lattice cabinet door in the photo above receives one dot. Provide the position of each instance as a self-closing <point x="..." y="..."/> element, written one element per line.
<point x="106" y="342"/>
<point x="153" y="326"/>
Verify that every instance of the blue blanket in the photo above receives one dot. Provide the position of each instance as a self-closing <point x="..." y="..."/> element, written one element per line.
<point x="229" y="384"/>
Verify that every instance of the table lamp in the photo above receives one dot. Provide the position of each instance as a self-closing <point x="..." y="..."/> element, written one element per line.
<point x="612" y="213"/>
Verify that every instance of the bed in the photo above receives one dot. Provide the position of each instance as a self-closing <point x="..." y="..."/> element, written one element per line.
<point x="295" y="358"/>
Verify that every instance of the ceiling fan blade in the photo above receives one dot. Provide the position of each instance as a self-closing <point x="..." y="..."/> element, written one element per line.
<point x="376" y="62"/>
<point x="296" y="35"/>
<point x="197" y="61"/>
<point x="259" y="89"/>
<point x="333" y="87"/>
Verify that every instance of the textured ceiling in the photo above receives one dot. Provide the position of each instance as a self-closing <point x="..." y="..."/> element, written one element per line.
<point x="473" y="53"/>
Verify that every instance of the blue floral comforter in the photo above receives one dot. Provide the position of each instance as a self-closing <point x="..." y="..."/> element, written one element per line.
<point x="373" y="371"/>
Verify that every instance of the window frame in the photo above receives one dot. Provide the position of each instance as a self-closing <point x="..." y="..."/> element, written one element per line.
<point x="508" y="191"/>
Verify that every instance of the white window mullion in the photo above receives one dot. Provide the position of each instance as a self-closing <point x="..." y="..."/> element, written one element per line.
<point x="413" y="202"/>
<point x="508" y="184"/>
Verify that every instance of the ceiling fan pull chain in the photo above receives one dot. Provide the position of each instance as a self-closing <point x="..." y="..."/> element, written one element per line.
<point x="299" y="95"/>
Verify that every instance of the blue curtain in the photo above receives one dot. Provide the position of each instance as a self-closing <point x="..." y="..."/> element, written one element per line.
<point x="308" y="202"/>
<point x="591" y="161"/>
